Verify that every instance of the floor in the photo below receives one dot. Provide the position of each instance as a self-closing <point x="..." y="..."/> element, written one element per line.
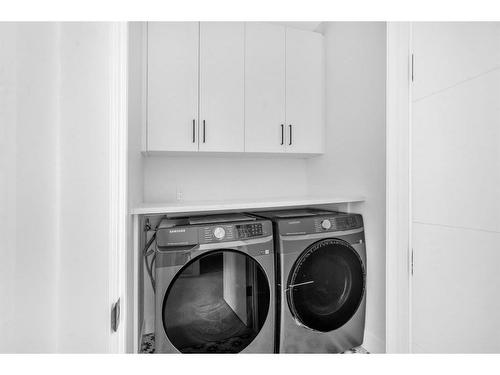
<point x="148" y="346"/>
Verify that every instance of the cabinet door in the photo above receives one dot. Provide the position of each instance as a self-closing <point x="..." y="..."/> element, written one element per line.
<point x="222" y="86"/>
<point x="264" y="87"/>
<point x="304" y="91"/>
<point x="172" y="86"/>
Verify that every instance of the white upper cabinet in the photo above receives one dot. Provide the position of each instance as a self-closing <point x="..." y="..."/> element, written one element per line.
<point x="222" y="56"/>
<point x="172" y="95"/>
<point x="305" y="91"/>
<point x="234" y="87"/>
<point x="264" y="87"/>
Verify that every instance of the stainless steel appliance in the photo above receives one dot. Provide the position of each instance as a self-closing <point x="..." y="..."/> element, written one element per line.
<point x="321" y="273"/>
<point x="214" y="279"/>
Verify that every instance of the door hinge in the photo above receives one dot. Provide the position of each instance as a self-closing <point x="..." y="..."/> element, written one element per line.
<point x="412" y="263"/>
<point x="115" y="315"/>
<point x="412" y="67"/>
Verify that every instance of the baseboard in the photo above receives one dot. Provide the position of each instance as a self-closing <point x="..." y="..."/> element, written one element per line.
<point x="373" y="344"/>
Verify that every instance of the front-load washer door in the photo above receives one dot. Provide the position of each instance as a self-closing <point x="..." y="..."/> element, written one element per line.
<point x="326" y="285"/>
<point x="217" y="303"/>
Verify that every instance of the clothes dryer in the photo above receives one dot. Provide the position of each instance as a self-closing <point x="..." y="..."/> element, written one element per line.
<point x="321" y="280"/>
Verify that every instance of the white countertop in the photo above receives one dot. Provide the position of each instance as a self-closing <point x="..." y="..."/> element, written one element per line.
<point x="178" y="207"/>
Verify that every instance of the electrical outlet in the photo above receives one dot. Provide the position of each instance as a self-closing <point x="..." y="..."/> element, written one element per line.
<point x="178" y="194"/>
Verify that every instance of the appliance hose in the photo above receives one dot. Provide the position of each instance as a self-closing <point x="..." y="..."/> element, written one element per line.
<point x="149" y="265"/>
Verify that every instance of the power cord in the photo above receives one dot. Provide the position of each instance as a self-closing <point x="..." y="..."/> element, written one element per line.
<point x="149" y="265"/>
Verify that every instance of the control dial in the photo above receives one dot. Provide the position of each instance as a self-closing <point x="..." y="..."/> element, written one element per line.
<point x="326" y="224"/>
<point x="219" y="233"/>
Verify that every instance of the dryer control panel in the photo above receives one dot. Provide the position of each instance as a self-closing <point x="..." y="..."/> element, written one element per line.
<point x="336" y="222"/>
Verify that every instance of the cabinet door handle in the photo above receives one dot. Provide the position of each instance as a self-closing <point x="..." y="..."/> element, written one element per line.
<point x="204" y="131"/>
<point x="290" y="143"/>
<point x="282" y="134"/>
<point x="194" y="126"/>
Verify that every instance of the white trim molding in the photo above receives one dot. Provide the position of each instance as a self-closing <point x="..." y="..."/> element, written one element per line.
<point x="118" y="146"/>
<point x="398" y="193"/>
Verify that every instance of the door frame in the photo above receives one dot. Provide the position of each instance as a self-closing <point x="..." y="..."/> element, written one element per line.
<point x="398" y="188"/>
<point x="118" y="202"/>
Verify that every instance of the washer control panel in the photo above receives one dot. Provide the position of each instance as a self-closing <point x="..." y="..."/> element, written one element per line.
<point x="216" y="233"/>
<point x="219" y="233"/>
<point x="172" y="236"/>
<point x="234" y="232"/>
<point x="249" y="230"/>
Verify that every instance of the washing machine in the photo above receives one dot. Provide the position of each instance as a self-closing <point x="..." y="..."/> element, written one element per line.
<point x="214" y="278"/>
<point x="321" y="280"/>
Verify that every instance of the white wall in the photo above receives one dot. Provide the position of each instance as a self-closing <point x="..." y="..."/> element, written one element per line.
<point x="136" y="112"/>
<point x="29" y="178"/>
<point x="354" y="161"/>
<point x="204" y="177"/>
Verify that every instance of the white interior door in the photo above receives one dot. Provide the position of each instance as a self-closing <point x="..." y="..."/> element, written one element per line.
<point x="305" y="91"/>
<point x="264" y="87"/>
<point x="455" y="180"/>
<point x="222" y="54"/>
<point x="172" y="119"/>
<point x="458" y="51"/>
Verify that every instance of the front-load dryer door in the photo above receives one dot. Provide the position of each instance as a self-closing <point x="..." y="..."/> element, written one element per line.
<point x="217" y="303"/>
<point x="326" y="285"/>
